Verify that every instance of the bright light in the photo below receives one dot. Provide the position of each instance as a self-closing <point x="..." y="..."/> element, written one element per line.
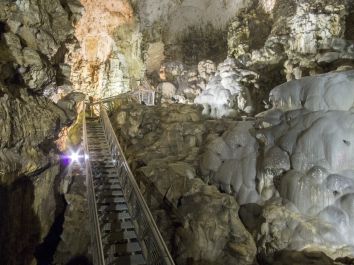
<point x="74" y="156"/>
<point x="87" y="157"/>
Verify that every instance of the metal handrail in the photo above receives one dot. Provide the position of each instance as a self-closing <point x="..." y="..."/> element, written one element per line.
<point x="152" y="243"/>
<point x="145" y="96"/>
<point x="97" y="247"/>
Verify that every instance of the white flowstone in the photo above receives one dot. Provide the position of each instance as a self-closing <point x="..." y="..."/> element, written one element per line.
<point x="307" y="162"/>
<point x="332" y="91"/>
<point x="168" y="90"/>
<point x="230" y="162"/>
<point x="206" y="69"/>
<point x="225" y="94"/>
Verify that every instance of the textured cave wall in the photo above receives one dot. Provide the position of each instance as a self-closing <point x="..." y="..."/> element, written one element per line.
<point x="273" y="41"/>
<point x="33" y="37"/>
<point x="285" y="40"/>
<point x="108" y="59"/>
<point x="188" y="31"/>
<point x="162" y="145"/>
<point x="121" y="40"/>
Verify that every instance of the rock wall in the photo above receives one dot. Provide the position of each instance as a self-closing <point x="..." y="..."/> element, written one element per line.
<point x="108" y="60"/>
<point x="33" y="44"/>
<point x="188" y="31"/>
<point x="310" y="146"/>
<point x="162" y="144"/>
<point x="291" y="39"/>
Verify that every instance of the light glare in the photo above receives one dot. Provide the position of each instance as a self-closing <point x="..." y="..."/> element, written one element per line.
<point x="74" y="156"/>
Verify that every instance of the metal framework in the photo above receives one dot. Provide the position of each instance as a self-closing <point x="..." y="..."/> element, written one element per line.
<point x="144" y="96"/>
<point x="96" y="238"/>
<point x="152" y="244"/>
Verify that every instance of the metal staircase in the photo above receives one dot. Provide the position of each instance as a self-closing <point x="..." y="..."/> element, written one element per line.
<point x="123" y="230"/>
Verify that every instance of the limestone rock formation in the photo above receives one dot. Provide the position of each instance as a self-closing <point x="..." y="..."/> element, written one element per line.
<point x="75" y="239"/>
<point x="309" y="144"/>
<point x="229" y="161"/>
<point x="33" y="38"/>
<point x="211" y="231"/>
<point x="162" y="145"/>
<point x="292" y="38"/>
<point x="29" y="164"/>
<point x="25" y="146"/>
<point x="228" y="92"/>
<point x="187" y="82"/>
<point x="189" y="31"/>
<point x="108" y="60"/>
<point x="333" y="91"/>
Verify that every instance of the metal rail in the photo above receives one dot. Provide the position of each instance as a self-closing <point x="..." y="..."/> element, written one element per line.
<point x="153" y="245"/>
<point x="145" y="96"/>
<point x="96" y="242"/>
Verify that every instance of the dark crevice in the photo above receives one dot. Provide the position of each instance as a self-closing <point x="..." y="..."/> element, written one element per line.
<point x="15" y="79"/>
<point x="3" y="27"/>
<point x="19" y="224"/>
<point x="349" y="27"/>
<point x="45" y="251"/>
<point x="79" y="260"/>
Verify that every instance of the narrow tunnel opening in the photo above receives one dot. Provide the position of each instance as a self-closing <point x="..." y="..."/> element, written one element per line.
<point x="45" y="251"/>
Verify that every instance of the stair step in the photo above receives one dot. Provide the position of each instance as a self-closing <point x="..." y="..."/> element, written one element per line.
<point x="98" y="158"/>
<point x="108" y="186"/>
<point x="103" y="173"/>
<point x="100" y="175"/>
<point x="96" y="147"/>
<point x="101" y="201"/>
<point x="100" y="154"/>
<point x="118" y="237"/>
<point x="108" y="193"/>
<point x="112" y="207"/>
<point x="101" y="166"/>
<point x="107" y="218"/>
<point x="124" y="249"/>
<point x="94" y="144"/>
<point x="101" y="183"/>
<point x="130" y="259"/>
<point x="109" y="226"/>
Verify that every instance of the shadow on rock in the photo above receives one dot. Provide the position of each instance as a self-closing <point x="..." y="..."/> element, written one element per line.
<point x="19" y="225"/>
<point x="79" y="260"/>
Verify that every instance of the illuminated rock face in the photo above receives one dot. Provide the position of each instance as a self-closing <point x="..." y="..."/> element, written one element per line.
<point x="302" y="37"/>
<point x="226" y="94"/>
<point x="296" y="161"/>
<point x="314" y="132"/>
<point x="34" y="37"/>
<point x="333" y="91"/>
<point x="230" y="163"/>
<point x="110" y="49"/>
